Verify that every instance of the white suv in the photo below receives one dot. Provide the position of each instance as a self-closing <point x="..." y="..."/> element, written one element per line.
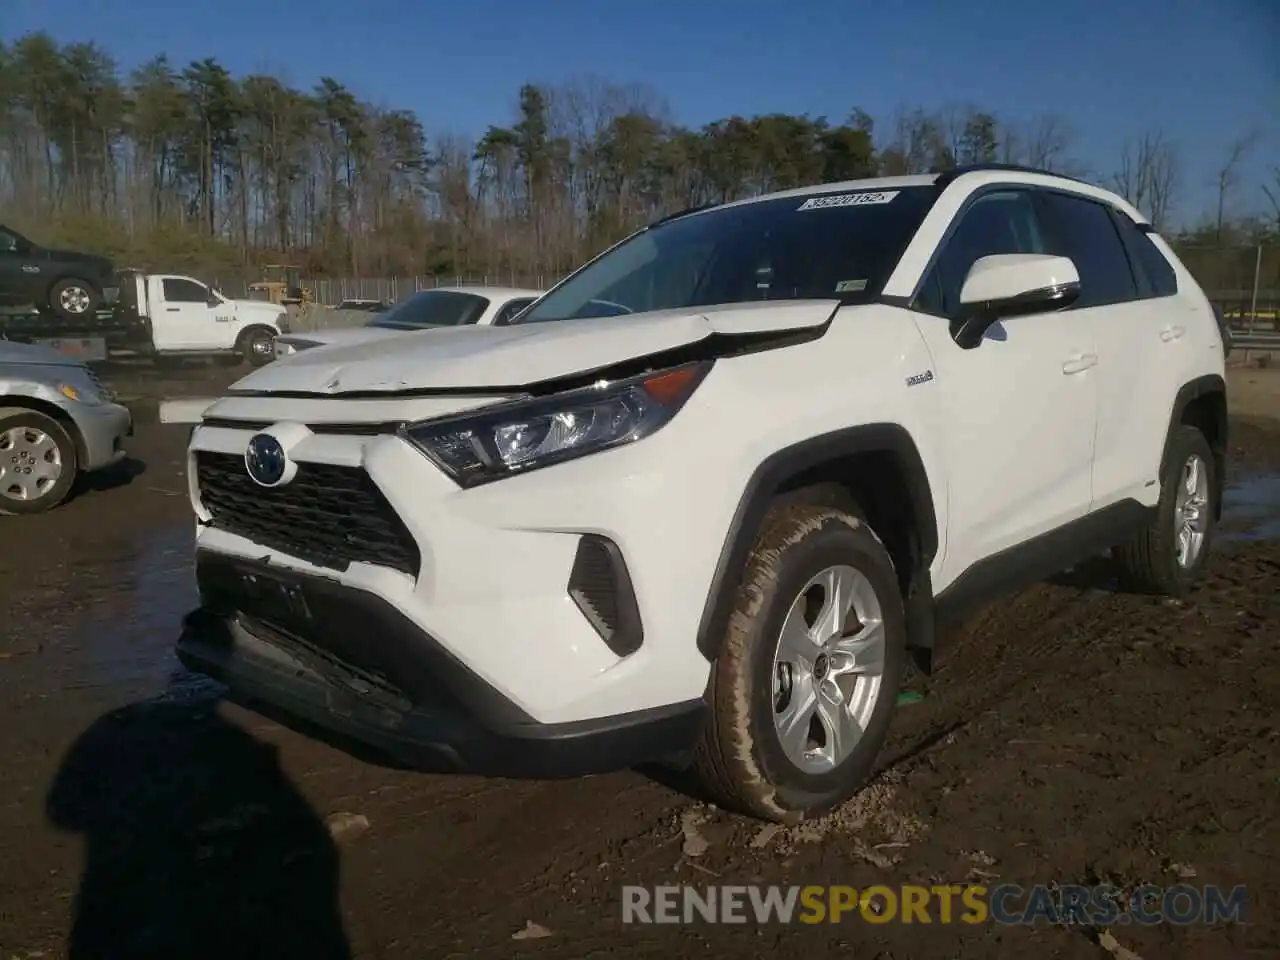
<point x="702" y="501"/>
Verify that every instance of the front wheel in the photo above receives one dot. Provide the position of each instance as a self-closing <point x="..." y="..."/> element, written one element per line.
<point x="801" y="695"/>
<point x="258" y="347"/>
<point x="37" y="463"/>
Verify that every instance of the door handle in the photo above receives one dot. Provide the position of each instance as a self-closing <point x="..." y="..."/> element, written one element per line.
<point x="173" y="309"/>
<point x="1079" y="363"/>
<point x="1169" y="334"/>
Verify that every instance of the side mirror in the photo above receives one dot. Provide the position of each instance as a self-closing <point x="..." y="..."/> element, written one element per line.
<point x="212" y="301"/>
<point x="1011" y="285"/>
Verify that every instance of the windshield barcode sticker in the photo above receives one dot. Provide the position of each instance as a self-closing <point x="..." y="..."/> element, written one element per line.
<point x="847" y="200"/>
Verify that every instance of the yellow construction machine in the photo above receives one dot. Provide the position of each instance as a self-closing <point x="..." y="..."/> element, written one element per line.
<point x="281" y="285"/>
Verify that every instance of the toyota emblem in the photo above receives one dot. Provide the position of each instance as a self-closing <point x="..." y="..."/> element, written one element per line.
<point x="265" y="460"/>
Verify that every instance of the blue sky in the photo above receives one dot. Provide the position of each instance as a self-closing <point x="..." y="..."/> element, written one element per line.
<point x="1202" y="72"/>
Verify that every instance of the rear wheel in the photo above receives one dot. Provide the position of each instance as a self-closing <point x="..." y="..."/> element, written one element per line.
<point x="37" y="463"/>
<point x="1169" y="555"/>
<point x="73" y="299"/>
<point x="802" y="692"/>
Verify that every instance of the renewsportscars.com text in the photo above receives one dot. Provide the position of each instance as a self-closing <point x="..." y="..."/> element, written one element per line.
<point x="1006" y="904"/>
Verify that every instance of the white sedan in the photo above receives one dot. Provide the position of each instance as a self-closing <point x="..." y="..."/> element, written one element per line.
<point x="425" y="310"/>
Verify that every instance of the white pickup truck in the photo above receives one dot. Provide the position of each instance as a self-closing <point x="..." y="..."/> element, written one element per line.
<point x="167" y="316"/>
<point x="189" y="318"/>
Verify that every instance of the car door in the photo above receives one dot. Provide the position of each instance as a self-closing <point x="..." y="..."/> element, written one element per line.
<point x="1021" y="406"/>
<point x="1126" y="328"/>
<point x="1172" y="344"/>
<point x="19" y="274"/>
<point x="185" y="315"/>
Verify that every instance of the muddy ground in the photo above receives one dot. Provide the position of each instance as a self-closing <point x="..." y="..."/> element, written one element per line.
<point x="1071" y="735"/>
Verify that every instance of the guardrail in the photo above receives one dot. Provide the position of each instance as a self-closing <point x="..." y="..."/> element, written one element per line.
<point x="1254" y="340"/>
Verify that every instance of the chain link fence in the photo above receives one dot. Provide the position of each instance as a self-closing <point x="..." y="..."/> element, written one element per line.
<point x="1244" y="281"/>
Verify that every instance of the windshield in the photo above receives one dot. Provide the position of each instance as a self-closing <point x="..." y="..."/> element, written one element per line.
<point x="433" y="308"/>
<point x="823" y="246"/>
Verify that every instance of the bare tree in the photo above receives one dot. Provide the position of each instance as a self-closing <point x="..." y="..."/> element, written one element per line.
<point x="1150" y="175"/>
<point x="1229" y="174"/>
<point x="1047" y="142"/>
<point x="1272" y="193"/>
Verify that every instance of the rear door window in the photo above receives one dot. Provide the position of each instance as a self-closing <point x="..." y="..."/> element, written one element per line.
<point x="1156" y="274"/>
<point x="1083" y="230"/>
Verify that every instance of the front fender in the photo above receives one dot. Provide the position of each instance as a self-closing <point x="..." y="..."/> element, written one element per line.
<point x="31" y="389"/>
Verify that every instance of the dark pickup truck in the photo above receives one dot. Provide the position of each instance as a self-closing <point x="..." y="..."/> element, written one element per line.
<point x="70" y="285"/>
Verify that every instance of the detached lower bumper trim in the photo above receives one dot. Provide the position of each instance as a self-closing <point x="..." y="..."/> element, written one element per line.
<point x="290" y="677"/>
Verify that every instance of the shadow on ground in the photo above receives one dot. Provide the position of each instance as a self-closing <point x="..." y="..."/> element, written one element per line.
<point x="117" y="475"/>
<point x="196" y="843"/>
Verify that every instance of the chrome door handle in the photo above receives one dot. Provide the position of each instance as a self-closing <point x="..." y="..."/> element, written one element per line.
<point x="1079" y="363"/>
<point x="1169" y="334"/>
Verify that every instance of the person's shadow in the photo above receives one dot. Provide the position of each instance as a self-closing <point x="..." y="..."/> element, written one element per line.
<point x="196" y="843"/>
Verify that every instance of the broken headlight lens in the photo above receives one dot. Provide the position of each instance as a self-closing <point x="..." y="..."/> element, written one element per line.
<point x="512" y="438"/>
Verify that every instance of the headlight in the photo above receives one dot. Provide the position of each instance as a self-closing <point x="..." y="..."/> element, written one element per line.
<point x="516" y="437"/>
<point x="82" y="393"/>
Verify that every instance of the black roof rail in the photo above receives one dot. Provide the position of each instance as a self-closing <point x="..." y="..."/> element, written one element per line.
<point x="947" y="177"/>
<point x="681" y="213"/>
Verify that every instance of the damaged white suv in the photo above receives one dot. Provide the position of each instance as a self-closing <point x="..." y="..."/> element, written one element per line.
<point x="706" y="497"/>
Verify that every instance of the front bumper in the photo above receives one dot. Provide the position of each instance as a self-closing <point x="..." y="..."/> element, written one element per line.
<point x="488" y="572"/>
<point x="102" y="432"/>
<point x="344" y="659"/>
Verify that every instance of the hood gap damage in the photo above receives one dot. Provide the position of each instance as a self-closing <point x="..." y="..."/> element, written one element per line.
<point x="715" y="346"/>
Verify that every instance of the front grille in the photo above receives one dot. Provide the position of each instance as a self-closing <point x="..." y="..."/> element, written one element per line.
<point x="327" y="515"/>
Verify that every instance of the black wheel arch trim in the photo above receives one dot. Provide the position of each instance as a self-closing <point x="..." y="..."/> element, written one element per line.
<point x="1191" y="391"/>
<point x="771" y="476"/>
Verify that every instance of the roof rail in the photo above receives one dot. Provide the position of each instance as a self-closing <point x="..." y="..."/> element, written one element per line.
<point x="947" y="177"/>
<point x="681" y="213"/>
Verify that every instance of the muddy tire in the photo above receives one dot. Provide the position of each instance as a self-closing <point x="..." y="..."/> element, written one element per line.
<point x="801" y="694"/>
<point x="37" y="463"/>
<point x="1167" y="557"/>
<point x="257" y="346"/>
<point x="74" y="299"/>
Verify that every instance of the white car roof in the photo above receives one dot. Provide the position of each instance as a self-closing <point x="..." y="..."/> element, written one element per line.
<point x="482" y="290"/>
<point x="977" y="176"/>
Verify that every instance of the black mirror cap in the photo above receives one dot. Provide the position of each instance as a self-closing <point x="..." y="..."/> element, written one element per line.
<point x="969" y="329"/>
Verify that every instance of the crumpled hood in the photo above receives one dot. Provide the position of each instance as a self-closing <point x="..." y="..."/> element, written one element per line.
<point x="485" y="357"/>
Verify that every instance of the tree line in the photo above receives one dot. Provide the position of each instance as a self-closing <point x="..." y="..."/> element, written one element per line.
<point x="189" y="167"/>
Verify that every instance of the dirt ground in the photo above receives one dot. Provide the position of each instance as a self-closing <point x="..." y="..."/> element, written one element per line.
<point x="1071" y="735"/>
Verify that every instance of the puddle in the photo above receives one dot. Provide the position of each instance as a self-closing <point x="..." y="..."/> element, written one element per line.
<point x="128" y="642"/>
<point x="1251" y="509"/>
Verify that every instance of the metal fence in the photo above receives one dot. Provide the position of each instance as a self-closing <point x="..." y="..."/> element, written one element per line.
<point x="1245" y="278"/>
<point x="1244" y="281"/>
